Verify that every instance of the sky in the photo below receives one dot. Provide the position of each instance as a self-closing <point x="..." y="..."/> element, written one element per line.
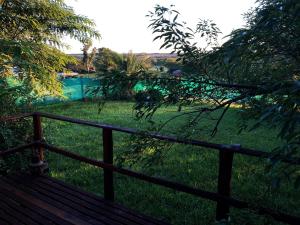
<point x="123" y="23"/>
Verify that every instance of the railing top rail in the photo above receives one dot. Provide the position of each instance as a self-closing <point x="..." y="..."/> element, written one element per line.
<point x="236" y="148"/>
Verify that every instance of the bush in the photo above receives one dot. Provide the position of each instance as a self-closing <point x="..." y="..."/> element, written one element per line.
<point x="13" y="133"/>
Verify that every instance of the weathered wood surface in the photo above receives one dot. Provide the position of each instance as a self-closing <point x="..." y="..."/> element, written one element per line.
<point x="28" y="200"/>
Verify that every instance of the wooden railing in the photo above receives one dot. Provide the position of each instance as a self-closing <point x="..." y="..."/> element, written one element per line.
<point x="226" y="155"/>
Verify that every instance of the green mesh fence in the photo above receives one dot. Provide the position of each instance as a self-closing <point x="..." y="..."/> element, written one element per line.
<point x="79" y="88"/>
<point x="74" y="89"/>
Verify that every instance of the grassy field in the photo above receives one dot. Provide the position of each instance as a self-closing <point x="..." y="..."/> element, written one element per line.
<point x="184" y="164"/>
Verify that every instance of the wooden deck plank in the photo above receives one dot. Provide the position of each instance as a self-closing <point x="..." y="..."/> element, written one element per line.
<point x="8" y="208"/>
<point x="92" y="204"/>
<point x="65" y="203"/>
<point x="18" y="210"/>
<point x="96" y="200"/>
<point x="73" y="219"/>
<point x="100" y="209"/>
<point x="41" y="215"/>
<point x="9" y="216"/>
<point x="44" y="200"/>
<point x="4" y="219"/>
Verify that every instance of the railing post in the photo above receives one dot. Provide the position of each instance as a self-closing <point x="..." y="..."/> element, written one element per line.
<point x="38" y="135"/>
<point x="38" y="165"/>
<point x="224" y="183"/>
<point x="108" y="158"/>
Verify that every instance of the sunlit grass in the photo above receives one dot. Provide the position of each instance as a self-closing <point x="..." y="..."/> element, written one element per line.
<point x="184" y="164"/>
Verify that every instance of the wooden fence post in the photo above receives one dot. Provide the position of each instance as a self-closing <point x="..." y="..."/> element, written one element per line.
<point x="38" y="166"/>
<point x="108" y="158"/>
<point x="38" y="135"/>
<point x="224" y="183"/>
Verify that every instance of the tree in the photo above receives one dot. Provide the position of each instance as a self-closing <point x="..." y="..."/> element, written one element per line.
<point x="92" y="58"/>
<point x="120" y="73"/>
<point x="85" y="60"/>
<point x="31" y="39"/>
<point x="31" y="33"/>
<point x="108" y="60"/>
<point x="257" y="68"/>
<point x="88" y="58"/>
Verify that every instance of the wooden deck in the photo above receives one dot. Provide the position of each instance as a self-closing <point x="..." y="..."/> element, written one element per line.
<point x="43" y="200"/>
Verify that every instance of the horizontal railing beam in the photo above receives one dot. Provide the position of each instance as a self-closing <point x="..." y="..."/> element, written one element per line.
<point x="20" y="148"/>
<point x="17" y="117"/>
<point x="178" y="187"/>
<point x="173" y="185"/>
<point x="221" y="147"/>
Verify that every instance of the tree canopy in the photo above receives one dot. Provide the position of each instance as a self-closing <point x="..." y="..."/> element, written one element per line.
<point x="120" y="73"/>
<point x="257" y="68"/>
<point x="31" y="33"/>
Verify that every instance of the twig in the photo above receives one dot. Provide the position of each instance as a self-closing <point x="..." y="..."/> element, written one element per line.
<point x="219" y="120"/>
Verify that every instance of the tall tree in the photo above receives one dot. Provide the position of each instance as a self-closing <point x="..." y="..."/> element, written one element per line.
<point x="91" y="59"/>
<point x="31" y="34"/>
<point x="85" y="51"/>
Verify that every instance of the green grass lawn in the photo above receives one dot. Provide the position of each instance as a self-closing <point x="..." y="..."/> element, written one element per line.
<point x="181" y="163"/>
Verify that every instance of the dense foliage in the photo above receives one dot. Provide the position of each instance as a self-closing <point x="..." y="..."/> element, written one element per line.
<point x="257" y="68"/>
<point x="13" y="133"/>
<point x="119" y="73"/>
<point x="31" y="33"/>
